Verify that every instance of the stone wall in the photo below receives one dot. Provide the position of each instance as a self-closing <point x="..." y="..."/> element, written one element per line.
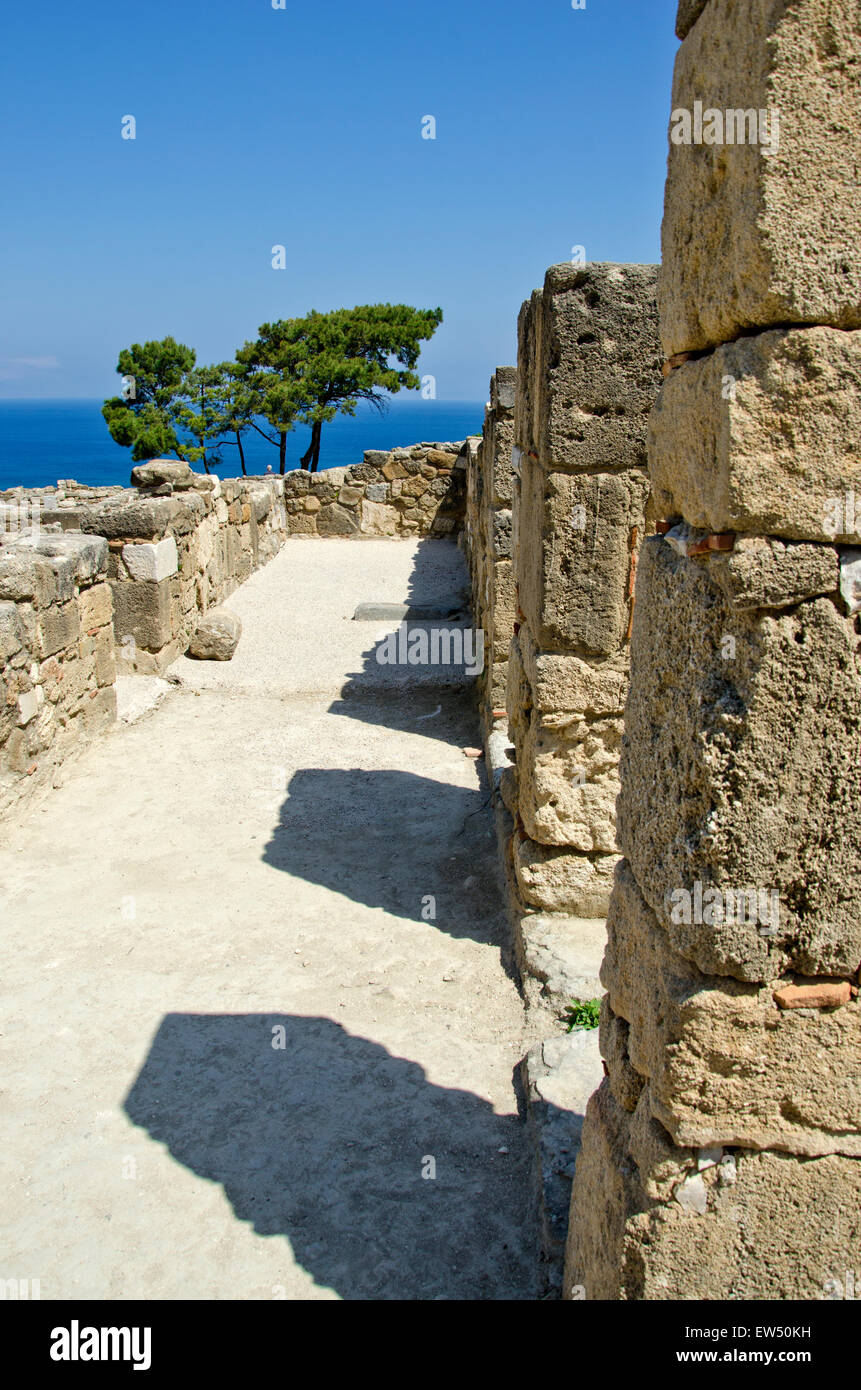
<point x="721" y="1156"/>
<point x="57" y="666"/>
<point x="412" y="491"/>
<point x="487" y="539"/>
<point x="178" y="544"/>
<point x="588" y="371"/>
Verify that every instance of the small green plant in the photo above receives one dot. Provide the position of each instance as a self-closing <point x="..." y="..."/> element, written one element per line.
<point x="583" y="1015"/>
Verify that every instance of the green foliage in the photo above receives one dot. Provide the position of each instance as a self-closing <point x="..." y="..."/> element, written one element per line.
<point x="144" y="422"/>
<point x="308" y="369"/>
<point x="583" y="1015"/>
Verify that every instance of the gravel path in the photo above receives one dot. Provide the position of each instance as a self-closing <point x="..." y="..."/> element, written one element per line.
<point x="248" y="865"/>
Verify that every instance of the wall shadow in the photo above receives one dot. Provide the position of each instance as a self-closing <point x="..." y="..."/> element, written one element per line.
<point x="386" y="838"/>
<point x="324" y="1142"/>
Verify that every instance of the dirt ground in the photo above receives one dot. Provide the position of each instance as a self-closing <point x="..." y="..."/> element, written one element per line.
<point x="259" y="1029"/>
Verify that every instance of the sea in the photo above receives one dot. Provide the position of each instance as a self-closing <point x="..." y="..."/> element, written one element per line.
<point x="41" y="441"/>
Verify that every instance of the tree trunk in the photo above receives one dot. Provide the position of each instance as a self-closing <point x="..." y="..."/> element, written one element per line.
<point x="282" y="452"/>
<point x="241" y="454"/>
<point x="311" y="457"/>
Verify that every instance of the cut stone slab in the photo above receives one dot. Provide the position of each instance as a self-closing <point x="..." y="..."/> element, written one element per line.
<point x="161" y="472"/>
<point x="761" y="436"/>
<point x="151" y="562"/>
<point x="564" y="954"/>
<point x="630" y="1239"/>
<point x="557" y="879"/>
<point x="753" y="238"/>
<point x="559" y="1076"/>
<point x="399" y="612"/>
<point x="216" y="636"/>
<point x="589" y="367"/>
<point x="740" y="770"/>
<point x="725" y="1064"/>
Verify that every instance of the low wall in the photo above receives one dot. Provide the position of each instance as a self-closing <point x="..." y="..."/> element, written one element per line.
<point x="416" y="490"/>
<point x="57" y="667"/>
<point x="173" y="552"/>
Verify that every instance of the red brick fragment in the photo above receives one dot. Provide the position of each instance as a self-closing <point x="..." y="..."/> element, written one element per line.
<point x="824" y="996"/>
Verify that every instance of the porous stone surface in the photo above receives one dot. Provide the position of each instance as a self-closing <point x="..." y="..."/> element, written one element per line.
<point x="689" y="12"/>
<point x="158" y="472"/>
<point x="725" y="1065"/>
<point x="554" y="879"/>
<point x="57" y="665"/>
<point x="414" y="489"/>
<point x="216" y="636"/>
<point x="563" y="954"/>
<point x="634" y="1233"/>
<point x="588" y="367"/>
<point x="761" y="436"/>
<point x="577" y="537"/>
<point x="753" y="239"/>
<point x="746" y="773"/>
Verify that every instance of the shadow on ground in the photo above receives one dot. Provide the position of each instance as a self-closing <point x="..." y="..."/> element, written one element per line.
<point x="388" y="839"/>
<point x="324" y="1141"/>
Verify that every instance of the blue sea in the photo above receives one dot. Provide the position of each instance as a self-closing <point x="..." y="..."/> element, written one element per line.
<point x="41" y="441"/>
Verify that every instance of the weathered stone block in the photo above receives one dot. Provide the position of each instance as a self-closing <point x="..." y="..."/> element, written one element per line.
<point x="96" y="606"/>
<point x="378" y="519"/>
<point x="741" y="769"/>
<point x="575" y="537"/>
<point x="765" y="231"/>
<point x="689" y="12"/>
<point x="725" y="1064"/>
<point x="761" y="572"/>
<point x="158" y="472"/>
<point x="569" y="781"/>
<point x="216" y="636"/>
<point x="58" y="628"/>
<point x="568" y="684"/>
<point x="334" y="520"/>
<point x="555" y="879"/>
<point x="151" y="562"/>
<point x="588" y="367"/>
<point x="762" y="435"/>
<point x="635" y="1234"/>
<point x="142" y="611"/>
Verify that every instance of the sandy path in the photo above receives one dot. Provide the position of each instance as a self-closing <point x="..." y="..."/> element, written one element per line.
<point x="247" y="864"/>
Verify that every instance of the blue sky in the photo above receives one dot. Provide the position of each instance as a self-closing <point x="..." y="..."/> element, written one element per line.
<point x="302" y="127"/>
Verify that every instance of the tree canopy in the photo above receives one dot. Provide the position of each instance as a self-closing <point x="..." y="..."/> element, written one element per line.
<point x="297" y="371"/>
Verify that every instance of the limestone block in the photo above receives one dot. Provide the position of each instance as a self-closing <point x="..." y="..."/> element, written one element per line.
<point x="569" y="782"/>
<point x="96" y="606"/>
<point x="58" y="628"/>
<point x="630" y="1236"/>
<point x="573" y="556"/>
<point x="11" y="631"/>
<point x="378" y="519"/>
<point x="766" y="231"/>
<point x="762" y="572"/>
<point x="554" y="879"/>
<point x="151" y="562"/>
<point x="216" y="636"/>
<point x="351" y="494"/>
<point x="503" y="389"/>
<point x="564" y="953"/>
<point x="334" y="520"/>
<point x="763" y="435"/>
<point x="741" y="769"/>
<point x="725" y="1065"/>
<point x="142" y="611"/>
<point x="376" y="492"/>
<point x="145" y="518"/>
<point x="588" y="367"/>
<point x="560" y="684"/>
<point x="157" y="472"/>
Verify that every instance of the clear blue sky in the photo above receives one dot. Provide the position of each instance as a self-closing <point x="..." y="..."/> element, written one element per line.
<point x="302" y="126"/>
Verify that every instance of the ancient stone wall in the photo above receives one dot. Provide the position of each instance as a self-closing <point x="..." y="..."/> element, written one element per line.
<point x="57" y="666"/>
<point x="487" y="539"/>
<point x="721" y="1156"/>
<point x="416" y="490"/>
<point x="588" y="371"/>
<point x="178" y="544"/>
